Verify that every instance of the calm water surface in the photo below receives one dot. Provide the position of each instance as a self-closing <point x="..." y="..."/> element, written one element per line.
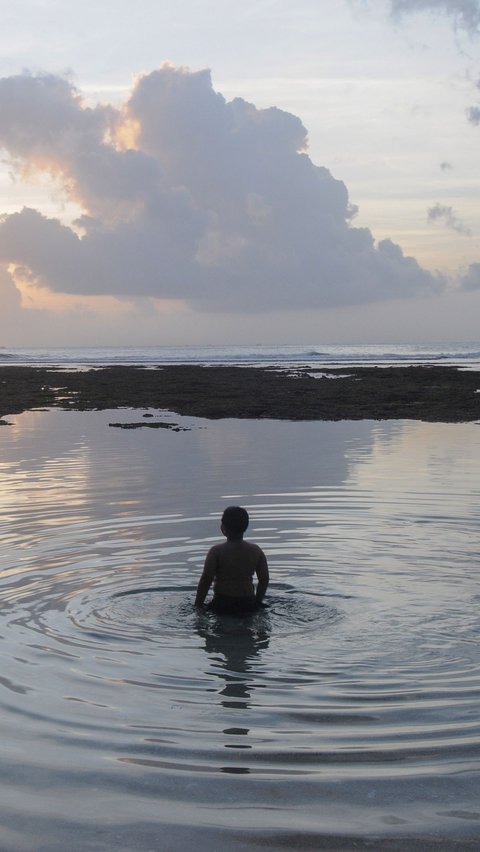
<point x="348" y="708"/>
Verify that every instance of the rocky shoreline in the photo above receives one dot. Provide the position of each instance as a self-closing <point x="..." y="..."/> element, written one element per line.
<point x="429" y="393"/>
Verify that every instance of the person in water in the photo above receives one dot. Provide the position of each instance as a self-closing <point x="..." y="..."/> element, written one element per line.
<point x="231" y="565"/>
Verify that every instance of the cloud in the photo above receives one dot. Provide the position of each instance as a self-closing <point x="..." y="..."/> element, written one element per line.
<point x="471" y="279"/>
<point x="10" y="298"/>
<point x="473" y="115"/>
<point x="466" y="16"/>
<point x="449" y="218"/>
<point x="14" y="319"/>
<point x="187" y="196"/>
<point x="465" y="13"/>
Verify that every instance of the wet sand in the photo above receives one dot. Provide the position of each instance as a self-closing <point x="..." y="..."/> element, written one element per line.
<point x="428" y="393"/>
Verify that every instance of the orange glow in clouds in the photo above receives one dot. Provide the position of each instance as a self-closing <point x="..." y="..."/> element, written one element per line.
<point x="39" y="298"/>
<point x="126" y="134"/>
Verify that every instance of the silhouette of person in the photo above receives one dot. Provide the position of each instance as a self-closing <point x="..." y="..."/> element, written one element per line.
<point x="231" y="566"/>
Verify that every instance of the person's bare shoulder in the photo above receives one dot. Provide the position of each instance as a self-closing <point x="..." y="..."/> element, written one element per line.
<point x="254" y="549"/>
<point x="215" y="552"/>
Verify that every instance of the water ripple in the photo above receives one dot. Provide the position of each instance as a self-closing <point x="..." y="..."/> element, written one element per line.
<point x="362" y="669"/>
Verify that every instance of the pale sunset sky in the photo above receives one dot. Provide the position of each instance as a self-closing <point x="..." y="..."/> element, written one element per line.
<point x="208" y="171"/>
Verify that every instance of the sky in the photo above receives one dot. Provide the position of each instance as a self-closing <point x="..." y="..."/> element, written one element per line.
<point x="206" y="171"/>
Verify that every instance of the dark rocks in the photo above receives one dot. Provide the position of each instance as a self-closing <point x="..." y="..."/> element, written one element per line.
<point x="380" y="393"/>
<point x="174" y="427"/>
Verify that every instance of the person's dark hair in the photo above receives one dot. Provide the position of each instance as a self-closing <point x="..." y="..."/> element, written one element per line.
<point x="235" y="519"/>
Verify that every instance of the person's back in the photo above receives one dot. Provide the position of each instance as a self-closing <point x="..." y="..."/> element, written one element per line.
<point x="231" y="567"/>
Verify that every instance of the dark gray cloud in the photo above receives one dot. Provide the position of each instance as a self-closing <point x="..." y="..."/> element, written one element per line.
<point x="213" y="202"/>
<point x="471" y="279"/>
<point x="440" y="212"/>
<point x="465" y="13"/>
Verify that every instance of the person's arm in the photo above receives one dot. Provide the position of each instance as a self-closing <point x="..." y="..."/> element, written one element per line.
<point x="206" y="579"/>
<point x="262" y="577"/>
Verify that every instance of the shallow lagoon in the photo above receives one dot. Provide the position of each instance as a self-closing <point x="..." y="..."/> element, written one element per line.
<point x="347" y="710"/>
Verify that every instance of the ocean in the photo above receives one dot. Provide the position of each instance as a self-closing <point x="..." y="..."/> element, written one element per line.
<point x="343" y="716"/>
<point x="465" y="354"/>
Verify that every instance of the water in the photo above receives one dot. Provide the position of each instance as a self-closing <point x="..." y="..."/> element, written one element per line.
<point x="348" y="709"/>
<point x="466" y="355"/>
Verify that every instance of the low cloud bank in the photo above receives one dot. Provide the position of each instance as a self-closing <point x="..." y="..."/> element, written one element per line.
<point x="187" y="196"/>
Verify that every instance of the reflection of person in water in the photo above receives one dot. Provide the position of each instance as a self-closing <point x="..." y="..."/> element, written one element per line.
<point x="234" y="655"/>
<point x="231" y="565"/>
<point x="234" y="648"/>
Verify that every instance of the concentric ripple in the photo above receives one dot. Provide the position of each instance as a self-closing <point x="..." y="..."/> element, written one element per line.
<point x="357" y="684"/>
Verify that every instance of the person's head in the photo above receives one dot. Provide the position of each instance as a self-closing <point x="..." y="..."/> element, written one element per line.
<point x="234" y="521"/>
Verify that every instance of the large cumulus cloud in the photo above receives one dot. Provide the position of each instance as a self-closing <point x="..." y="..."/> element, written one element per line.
<point x="189" y="196"/>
